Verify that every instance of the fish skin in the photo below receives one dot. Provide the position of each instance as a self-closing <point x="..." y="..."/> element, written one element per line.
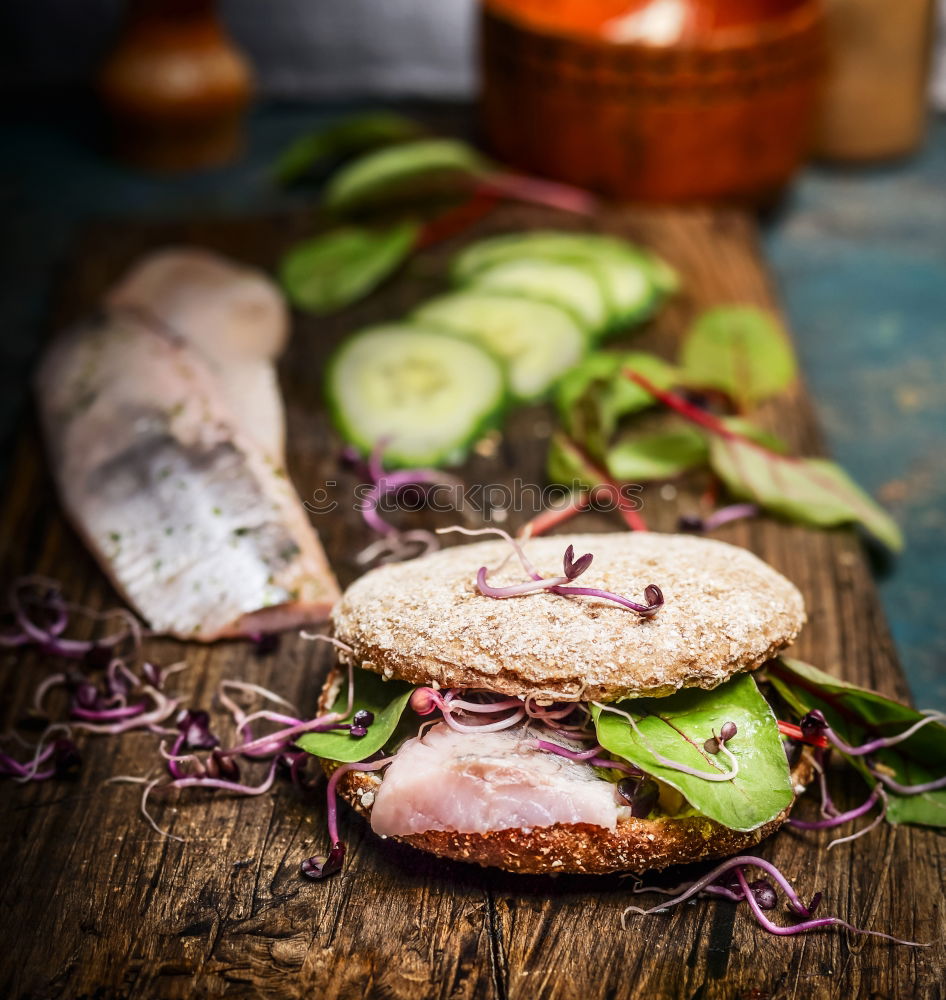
<point x="195" y="524"/>
<point x="480" y="782"/>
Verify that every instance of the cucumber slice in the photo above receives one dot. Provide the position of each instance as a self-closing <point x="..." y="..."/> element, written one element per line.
<point x="635" y="278"/>
<point x="429" y="396"/>
<point x="576" y="286"/>
<point x="536" y="341"/>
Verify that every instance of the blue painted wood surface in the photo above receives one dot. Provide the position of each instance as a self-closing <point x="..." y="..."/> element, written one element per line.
<point x="859" y="257"/>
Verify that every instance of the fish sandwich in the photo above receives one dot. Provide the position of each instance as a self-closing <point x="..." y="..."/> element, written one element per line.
<point x="495" y="711"/>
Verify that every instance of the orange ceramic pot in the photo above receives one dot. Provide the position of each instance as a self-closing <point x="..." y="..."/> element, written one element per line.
<point x="653" y="100"/>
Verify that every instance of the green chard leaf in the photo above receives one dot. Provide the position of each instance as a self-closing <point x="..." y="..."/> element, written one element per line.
<point x="677" y="727"/>
<point x="858" y="715"/>
<point x="386" y="699"/>
<point x="568" y="464"/>
<point x="739" y="425"/>
<point x="342" y="138"/>
<point x="638" y="458"/>
<point x="402" y="172"/>
<point x="809" y="490"/>
<point x="740" y="350"/>
<point x="339" y="267"/>
<point x="593" y="396"/>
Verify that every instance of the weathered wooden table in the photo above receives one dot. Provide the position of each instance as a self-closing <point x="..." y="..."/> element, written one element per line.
<point x="95" y="904"/>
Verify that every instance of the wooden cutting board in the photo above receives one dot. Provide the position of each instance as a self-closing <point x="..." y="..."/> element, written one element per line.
<point x="95" y="904"/>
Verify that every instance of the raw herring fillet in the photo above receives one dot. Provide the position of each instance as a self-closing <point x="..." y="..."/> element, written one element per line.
<point x="194" y="523"/>
<point x="233" y="315"/>
<point x="477" y="782"/>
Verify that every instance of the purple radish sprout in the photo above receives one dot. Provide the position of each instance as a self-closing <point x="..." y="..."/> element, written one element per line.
<point x="399" y="547"/>
<point x="396" y="546"/>
<point x="652" y="594"/>
<point x="640" y="793"/>
<point x="811" y="925"/>
<point x="881" y="743"/>
<point x="60" y="755"/>
<point x="177" y="761"/>
<point x="319" y="866"/>
<point x="50" y="637"/>
<point x="483" y="707"/>
<point x="567" y="752"/>
<point x="819" y="760"/>
<point x="207" y="781"/>
<point x="518" y="589"/>
<point x="219" y="766"/>
<point x="816" y="720"/>
<point x="715" y="743"/>
<point x="552" y="717"/>
<point x="163" y="708"/>
<point x="724" y="515"/>
<point x="572" y="569"/>
<point x="722" y="869"/>
<point x="240" y="718"/>
<point x="760" y="895"/>
<point x="425" y="700"/>
<point x="516" y="547"/>
<point x="737" y="865"/>
<point x="874" y="823"/>
<point x="274" y="743"/>
<point x="841" y="818"/>
<point x="109" y="714"/>
<point x="900" y="789"/>
<point x="763" y="890"/>
<point x="585" y="756"/>
<point x="489" y="727"/>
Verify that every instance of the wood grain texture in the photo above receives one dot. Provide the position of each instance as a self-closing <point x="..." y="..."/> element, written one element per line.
<point x="94" y="904"/>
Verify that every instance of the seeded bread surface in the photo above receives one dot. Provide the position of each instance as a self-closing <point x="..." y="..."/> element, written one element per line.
<point x="425" y="622"/>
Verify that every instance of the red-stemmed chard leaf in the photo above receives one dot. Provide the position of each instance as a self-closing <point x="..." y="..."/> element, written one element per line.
<point x="739" y="350"/>
<point x="416" y="171"/>
<point x="809" y="490"/>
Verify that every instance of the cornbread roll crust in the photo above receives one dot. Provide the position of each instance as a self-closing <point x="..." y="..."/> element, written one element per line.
<point x="425" y="622"/>
<point x="636" y="845"/>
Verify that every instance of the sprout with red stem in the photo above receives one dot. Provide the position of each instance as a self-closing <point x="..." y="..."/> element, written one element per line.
<point x="760" y="898"/>
<point x="395" y="545"/>
<point x="724" y="515"/>
<point x="572" y="568"/>
<point x="321" y="866"/>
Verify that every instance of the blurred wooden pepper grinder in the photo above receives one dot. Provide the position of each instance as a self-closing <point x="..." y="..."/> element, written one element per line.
<point x="175" y="87"/>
